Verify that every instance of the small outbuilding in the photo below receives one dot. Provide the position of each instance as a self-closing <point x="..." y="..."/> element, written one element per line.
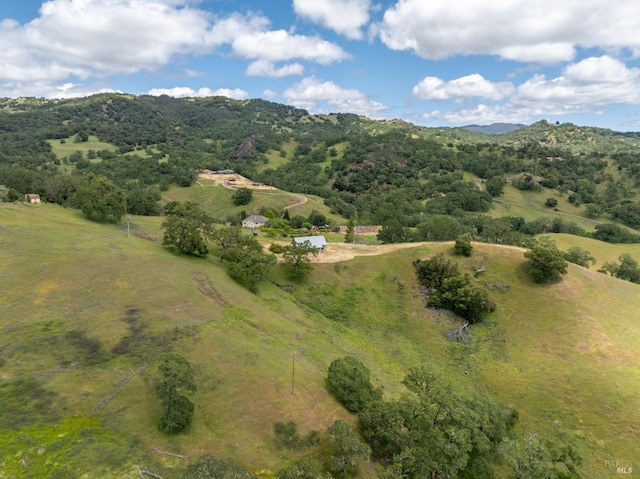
<point x="319" y="242"/>
<point x="32" y="198"/>
<point x="254" y="221"/>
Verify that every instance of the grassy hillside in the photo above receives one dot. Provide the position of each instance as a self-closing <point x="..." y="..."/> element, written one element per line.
<point x="86" y="311"/>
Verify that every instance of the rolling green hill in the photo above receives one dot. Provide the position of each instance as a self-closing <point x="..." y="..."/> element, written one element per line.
<point x="86" y="312"/>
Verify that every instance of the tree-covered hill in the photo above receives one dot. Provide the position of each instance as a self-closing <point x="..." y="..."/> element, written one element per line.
<point x="365" y="169"/>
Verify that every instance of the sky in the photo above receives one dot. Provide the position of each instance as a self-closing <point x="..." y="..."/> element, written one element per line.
<point x="428" y="62"/>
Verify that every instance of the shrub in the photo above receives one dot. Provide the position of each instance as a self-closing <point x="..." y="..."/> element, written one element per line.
<point x="348" y="380"/>
<point x="463" y="245"/>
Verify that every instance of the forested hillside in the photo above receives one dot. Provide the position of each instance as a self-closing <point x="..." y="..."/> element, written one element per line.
<point x="370" y="170"/>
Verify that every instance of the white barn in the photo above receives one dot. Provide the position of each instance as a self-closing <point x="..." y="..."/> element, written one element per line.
<point x="318" y="242"/>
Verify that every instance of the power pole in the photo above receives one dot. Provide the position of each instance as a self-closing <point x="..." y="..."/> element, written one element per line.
<point x="128" y="220"/>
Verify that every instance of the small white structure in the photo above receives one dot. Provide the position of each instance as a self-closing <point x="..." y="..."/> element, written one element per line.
<point x="32" y="198"/>
<point x="254" y="221"/>
<point x="318" y="242"/>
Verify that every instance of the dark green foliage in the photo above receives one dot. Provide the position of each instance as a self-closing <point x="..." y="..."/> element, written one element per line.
<point x="276" y="248"/>
<point x="12" y="195"/>
<point x="176" y="377"/>
<point x="439" y="228"/>
<point x="297" y="257"/>
<point x="531" y="458"/>
<point x="349" y="381"/>
<point x="242" y="197"/>
<point x="346" y="450"/>
<point x="495" y="186"/>
<point x="251" y="267"/>
<point x="614" y="234"/>
<point x="287" y="435"/>
<point x="187" y="228"/>
<point x="392" y="231"/>
<point x="450" y="289"/>
<point x="459" y="295"/>
<point x="178" y="415"/>
<point x="545" y="263"/>
<point x="433" y="432"/>
<point x="463" y="245"/>
<point x="304" y="469"/>
<point x="627" y="270"/>
<point x="551" y="202"/>
<point x="434" y="271"/>
<point x="101" y="200"/>
<point x="143" y="201"/>
<point x="579" y="256"/>
<point x="61" y="189"/>
<point x="208" y="467"/>
<point x="229" y="240"/>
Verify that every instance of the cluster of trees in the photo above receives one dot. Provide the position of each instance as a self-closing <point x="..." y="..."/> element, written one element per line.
<point x="433" y="431"/>
<point x="448" y="288"/>
<point x="343" y="448"/>
<point x="395" y="175"/>
<point x="190" y="230"/>
<point x="176" y="377"/>
<point x="626" y="269"/>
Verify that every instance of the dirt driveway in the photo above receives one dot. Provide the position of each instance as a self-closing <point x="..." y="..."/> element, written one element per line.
<point x="336" y="252"/>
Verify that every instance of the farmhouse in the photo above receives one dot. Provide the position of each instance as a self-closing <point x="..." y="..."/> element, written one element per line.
<point x="254" y="221"/>
<point x="32" y="198"/>
<point x="318" y="242"/>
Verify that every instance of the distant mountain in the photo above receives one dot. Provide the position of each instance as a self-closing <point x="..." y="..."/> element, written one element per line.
<point x="494" y="129"/>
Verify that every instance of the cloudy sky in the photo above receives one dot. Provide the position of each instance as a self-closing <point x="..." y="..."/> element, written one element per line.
<point x="430" y="62"/>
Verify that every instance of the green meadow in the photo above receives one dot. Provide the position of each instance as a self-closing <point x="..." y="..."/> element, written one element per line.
<point x="217" y="200"/>
<point x="88" y="309"/>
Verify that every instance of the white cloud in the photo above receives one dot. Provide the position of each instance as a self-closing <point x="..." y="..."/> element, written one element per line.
<point x="345" y="17"/>
<point x="544" y="31"/>
<point x="279" y="45"/>
<point x="47" y="89"/>
<point x="433" y="88"/>
<point x="327" y="97"/>
<point x="593" y="81"/>
<point x="186" y="92"/>
<point x="265" y="68"/>
<point x="590" y="86"/>
<point x="75" y="40"/>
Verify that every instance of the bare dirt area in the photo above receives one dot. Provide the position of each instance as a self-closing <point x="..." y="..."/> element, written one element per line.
<point x="232" y="180"/>
<point x="336" y="252"/>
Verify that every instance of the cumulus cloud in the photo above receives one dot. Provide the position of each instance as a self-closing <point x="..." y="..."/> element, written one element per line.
<point x="433" y="88"/>
<point x="265" y="68"/>
<point x="326" y="96"/>
<point x="589" y="86"/>
<point x="345" y="17"/>
<point x="592" y="81"/>
<point x="186" y="92"/>
<point x="280" y="45"/>
<point x="544" y="31"/>
<point x="75" y="40"/>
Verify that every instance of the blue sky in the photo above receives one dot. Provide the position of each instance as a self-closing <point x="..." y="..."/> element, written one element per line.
<point x="430" y="62"/>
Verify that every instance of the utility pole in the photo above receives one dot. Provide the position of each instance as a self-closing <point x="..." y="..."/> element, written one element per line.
<point x="128" y="220"/>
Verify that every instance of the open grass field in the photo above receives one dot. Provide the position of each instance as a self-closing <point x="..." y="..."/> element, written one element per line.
<point x="217" y="200"/>
<point x="70" y="146"/>
<point x="86" y="311"/>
